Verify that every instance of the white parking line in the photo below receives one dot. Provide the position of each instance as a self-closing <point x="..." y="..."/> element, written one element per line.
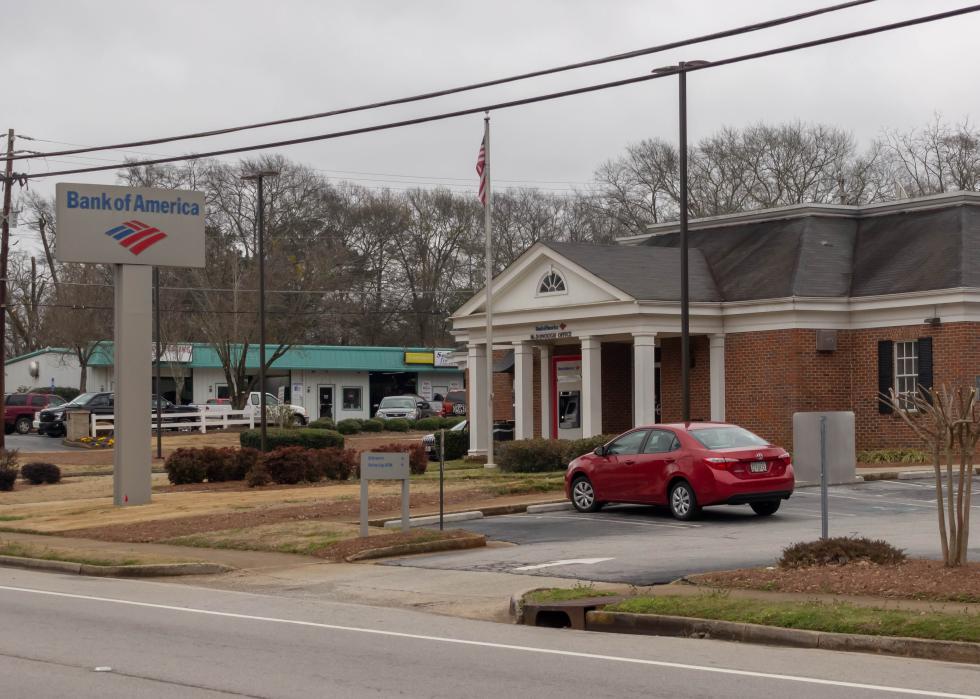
<point x="671" y="525"/>
<point x="507" y="646"/>
<point x="864" y="499"/>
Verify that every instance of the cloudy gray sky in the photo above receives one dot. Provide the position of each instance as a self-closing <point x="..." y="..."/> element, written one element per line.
<point x="98" y="72"/>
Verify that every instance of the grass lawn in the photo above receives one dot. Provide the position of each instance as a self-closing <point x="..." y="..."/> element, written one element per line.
<point x="814" y="616"/>
<point x="27" y="551"/>
<point x="562" y="594"/>
<point x="286" y="537"/>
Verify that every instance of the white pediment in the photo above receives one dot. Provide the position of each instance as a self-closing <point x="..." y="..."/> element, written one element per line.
<point x="519" y="287"/>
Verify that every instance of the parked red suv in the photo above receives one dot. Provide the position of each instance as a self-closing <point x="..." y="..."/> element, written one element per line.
<point x="19" y="409"/>
<point x="454" y="404"/>
<point x="684" y="466"/>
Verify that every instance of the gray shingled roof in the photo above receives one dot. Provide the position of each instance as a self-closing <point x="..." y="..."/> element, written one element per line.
<point x="645" y="273"/>
<point x="813" y="255"/>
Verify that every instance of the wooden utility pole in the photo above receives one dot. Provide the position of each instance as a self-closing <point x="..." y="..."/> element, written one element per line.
<point x="8" y="184"/>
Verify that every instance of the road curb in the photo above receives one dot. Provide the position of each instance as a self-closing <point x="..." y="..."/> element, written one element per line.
<point x="687" y="627"/>
<point x="549" y="507"/>
<point x="434" y="519"/>
<point x="149" y="570"/>
<point x="467" y="542"/>
<point x="488" y="511"/>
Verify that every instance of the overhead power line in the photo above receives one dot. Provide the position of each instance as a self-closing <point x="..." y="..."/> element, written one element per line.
<point x="521" y="102"/>
<point x="473" y="86"/>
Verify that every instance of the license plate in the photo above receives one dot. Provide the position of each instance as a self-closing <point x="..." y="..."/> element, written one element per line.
<point x="459" y="409"/>
<point x="759" y="467"/>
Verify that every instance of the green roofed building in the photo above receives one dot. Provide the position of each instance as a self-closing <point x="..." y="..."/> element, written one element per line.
<point x="339" y="382"/>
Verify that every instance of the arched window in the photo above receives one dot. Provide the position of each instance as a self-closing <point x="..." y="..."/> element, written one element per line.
<point x="552" y="283"/>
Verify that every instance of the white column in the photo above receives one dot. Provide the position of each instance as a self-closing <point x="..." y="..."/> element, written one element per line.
<point x="476" y="368"/>
<point x="644" y="379"/>
<point x="716" y="376"/>
<point x="544" y="374"/>
<point x="523" y="391"/>
<point x="591" y="386"/>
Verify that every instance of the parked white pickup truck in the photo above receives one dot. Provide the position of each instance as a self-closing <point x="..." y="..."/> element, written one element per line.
<point x="218" y="405"/>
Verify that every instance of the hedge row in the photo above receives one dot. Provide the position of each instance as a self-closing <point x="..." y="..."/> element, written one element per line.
<point x="8" y="468"/>
<point x="539" y="455"/>
<point x="355" y="425"/>
<point x="285" y="465"/>
<point x="309" y="438"/>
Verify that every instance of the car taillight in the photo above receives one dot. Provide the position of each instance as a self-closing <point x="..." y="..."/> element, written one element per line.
<point x="721" y="462"/>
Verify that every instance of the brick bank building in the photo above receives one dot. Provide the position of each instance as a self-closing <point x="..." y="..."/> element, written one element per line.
<point x="801" y="308"/>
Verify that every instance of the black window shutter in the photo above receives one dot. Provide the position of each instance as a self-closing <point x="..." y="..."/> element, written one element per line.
<point x="886" y="374"/>
<point x="925" y="362"/>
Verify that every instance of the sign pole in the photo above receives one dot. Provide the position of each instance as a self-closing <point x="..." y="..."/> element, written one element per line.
<point x="131" y="427"/>
<point x="824" y="524"/>
<point x="442" y="474"/>
<point x="156" y="332"/>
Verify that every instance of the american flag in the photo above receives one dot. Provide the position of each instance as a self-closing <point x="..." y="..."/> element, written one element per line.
<point x="481" y="169"/>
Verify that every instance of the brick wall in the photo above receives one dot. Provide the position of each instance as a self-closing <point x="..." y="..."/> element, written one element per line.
<point x="771" y="375"/>
<point x="503" y="391"/>
<point x="617" y="387"/>
<point x="670" y="379"/>
<point x="536" y="391"/>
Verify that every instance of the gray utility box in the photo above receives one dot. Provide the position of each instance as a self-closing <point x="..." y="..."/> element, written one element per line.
<point x="840" y="454"/>
<point x="77" y="424"/>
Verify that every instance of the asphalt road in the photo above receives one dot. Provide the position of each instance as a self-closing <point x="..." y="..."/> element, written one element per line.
<point x="88" y="637"/>
<point x="29" y="443"/>
<point x="645" y="546"/>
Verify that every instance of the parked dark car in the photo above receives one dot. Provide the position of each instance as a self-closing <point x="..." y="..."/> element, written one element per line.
<point x="51" y="421"/>
<point x="409" y="406"/>
<point x="684" y="466"/>
<point x="19" y="409"/>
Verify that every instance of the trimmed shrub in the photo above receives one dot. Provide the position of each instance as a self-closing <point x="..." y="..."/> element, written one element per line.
<point x="398" y="425"/>
<point x="531" y="456"/>
<point x="66" y="392"/>
<point x="245" y="460"/>
<point x="305" y="437"/>
<point x="219" y="464"/>
<point x="335" y="464"/>
<point x="449" y="422"/>
<point x="457" y="444"/>
<point x="418" y="460"/>
<point x="839" y="551"/>
<point x="323" y="423"/>
<point x="349" y="426"/>
<point x="288" y="465"/>
<point x="258" y="476"/>
<point x="574" y="448"/>
<point x="38" y="472"/>
<point x="8" y="469"/>
<point x="893" y="456"/>
<point x="428" y="423"/>
<point x="373" y="425"/>
<point x="185" y="466"/>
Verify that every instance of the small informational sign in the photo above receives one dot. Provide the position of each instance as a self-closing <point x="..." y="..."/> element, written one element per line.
<point x="130" y="225"/>
<point x="425" y="389"/>
<point x="297" y="390"/>
<point x="550" y="331"/>
<point x="384" y="467"/>
<point x="427" y="358"/>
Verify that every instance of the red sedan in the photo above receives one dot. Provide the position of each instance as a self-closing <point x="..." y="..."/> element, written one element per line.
<point x="684" y="466"/>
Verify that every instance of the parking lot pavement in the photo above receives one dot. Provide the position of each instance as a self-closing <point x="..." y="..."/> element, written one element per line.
<point x="644" y="546"/>
<point x="30" y="443"/>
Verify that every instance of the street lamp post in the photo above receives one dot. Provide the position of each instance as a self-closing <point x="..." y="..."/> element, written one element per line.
<point x="260" y="235"/>
<point x="681" y="70"/>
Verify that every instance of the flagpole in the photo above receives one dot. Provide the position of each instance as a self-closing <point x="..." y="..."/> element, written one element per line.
<point x="487" y="219"/>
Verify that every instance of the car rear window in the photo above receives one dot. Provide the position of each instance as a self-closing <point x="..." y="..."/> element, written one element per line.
<point x="727" y="438"/>
<point x="456" y="396"/>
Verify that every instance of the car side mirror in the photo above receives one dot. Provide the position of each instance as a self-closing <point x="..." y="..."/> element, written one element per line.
<point x="600" y="451"/>
<point x="420" y="404"/>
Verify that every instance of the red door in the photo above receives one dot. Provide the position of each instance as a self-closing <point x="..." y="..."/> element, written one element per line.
<point x="621" y="468"/>
<point x="660" y="451"/>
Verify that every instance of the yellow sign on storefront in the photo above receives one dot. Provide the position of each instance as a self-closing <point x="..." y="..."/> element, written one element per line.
<point x="420" y="358"/>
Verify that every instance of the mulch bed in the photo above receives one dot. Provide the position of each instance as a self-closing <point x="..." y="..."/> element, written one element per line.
<point x="913" y="579"/>
<point x="340" y="550"/>
<point x="157" y="530"/>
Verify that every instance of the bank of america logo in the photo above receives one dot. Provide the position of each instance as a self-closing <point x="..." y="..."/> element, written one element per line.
<point x="136" y="236"/>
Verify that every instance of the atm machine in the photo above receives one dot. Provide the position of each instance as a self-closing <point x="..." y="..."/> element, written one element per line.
<point x="567" y="401"/>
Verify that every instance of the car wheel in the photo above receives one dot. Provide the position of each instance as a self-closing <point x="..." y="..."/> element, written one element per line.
<point x="23" y="425"/>
<point x="683" y="503"/>
<point x="583" y="495"/>
<point x="299" y="419"/>
<point x="766" y="508"/>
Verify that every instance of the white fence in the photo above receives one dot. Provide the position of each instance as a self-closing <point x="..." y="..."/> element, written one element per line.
<point x="202" y="421"/>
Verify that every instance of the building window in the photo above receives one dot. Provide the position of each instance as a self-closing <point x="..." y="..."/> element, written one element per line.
<point x="906" y="372"/>
<point x="551" y="283"/>
<point x="352" y="398"/>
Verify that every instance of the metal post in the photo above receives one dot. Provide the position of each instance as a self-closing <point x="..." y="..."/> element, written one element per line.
<point x="364" y="507"/>
<point x="156" y="334"/>
<point x="405" y="505"/>
<point x="261" y="252"/>
<point x="824" y="525"/>
<point x="442" y="474"/>
<point x="487" y="223"/>
<point x="685" y="308"/>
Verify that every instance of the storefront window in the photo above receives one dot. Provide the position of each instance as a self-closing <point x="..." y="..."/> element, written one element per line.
<point x="352" y="398"/>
